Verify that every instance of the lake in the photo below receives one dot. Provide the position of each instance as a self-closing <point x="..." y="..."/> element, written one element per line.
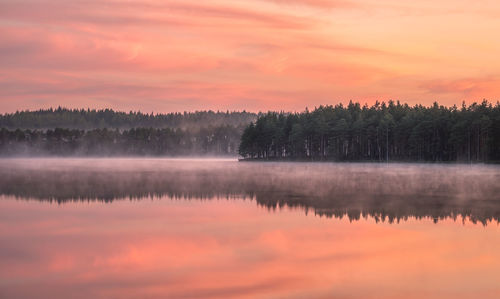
<point x="208" y="228"/>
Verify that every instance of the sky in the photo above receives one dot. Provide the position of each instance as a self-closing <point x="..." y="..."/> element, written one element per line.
<point x="254" y="55"/>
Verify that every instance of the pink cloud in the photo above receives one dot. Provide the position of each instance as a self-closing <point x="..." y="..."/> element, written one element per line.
<point x="476" y="88"/>
<point x="259" y="55"/>
<point x="323" y="4"/>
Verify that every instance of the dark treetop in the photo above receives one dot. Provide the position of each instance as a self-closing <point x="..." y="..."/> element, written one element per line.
<point x="381" y="132"/>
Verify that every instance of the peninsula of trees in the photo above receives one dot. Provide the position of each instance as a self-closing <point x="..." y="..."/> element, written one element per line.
<point x="382" y="132"/>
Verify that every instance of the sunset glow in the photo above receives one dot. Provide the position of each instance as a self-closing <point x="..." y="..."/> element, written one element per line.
<point x="166" y="56"/>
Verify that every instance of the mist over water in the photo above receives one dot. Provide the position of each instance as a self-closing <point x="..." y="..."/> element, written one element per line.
<point x="201" y="228"/>
<point x="386" y="192"/>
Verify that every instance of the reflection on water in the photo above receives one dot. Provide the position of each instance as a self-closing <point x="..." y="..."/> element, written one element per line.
<point x="163" y="245"/>
<point x="385" y="192"/>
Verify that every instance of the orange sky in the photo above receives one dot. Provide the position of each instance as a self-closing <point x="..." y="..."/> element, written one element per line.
<point x="256" y="55"/>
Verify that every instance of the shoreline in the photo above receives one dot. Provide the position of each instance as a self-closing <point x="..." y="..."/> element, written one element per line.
<point x="368" y="161"/>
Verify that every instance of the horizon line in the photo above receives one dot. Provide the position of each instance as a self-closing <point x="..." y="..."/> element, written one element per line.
<point x="339" y="104"/>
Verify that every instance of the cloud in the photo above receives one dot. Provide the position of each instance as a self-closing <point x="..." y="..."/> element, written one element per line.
<point x="258" y="54"/>
<point x="175" y="13"/>
<point x="476" y="88"/>
<point x="322" y="4"/>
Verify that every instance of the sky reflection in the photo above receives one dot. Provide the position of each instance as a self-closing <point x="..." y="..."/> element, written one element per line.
<point x="234" y="248"/>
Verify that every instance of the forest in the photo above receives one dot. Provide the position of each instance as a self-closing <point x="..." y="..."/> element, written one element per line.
<point x="86" y="132"/>
<point x="383" y="132"/>
<point x="88" y="119"/>
<point x="210" y="141"/>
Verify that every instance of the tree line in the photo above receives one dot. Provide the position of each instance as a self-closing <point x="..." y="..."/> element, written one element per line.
<point x="382" y="132"/>
<point x="88" y="119"/>
<point x="91" y="132"/>
<point x="218" y="141"/>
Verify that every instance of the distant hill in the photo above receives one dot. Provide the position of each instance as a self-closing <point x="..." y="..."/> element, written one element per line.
<point x="87" y="119"/>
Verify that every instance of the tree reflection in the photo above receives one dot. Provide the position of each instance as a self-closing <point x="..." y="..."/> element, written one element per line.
<point x="390" y="194"/>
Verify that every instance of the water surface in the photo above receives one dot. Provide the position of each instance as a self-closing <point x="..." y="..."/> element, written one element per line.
<point x="158" y="228"/>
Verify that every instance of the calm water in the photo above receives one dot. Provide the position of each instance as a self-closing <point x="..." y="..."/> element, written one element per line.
<point x="153" y="228"/>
